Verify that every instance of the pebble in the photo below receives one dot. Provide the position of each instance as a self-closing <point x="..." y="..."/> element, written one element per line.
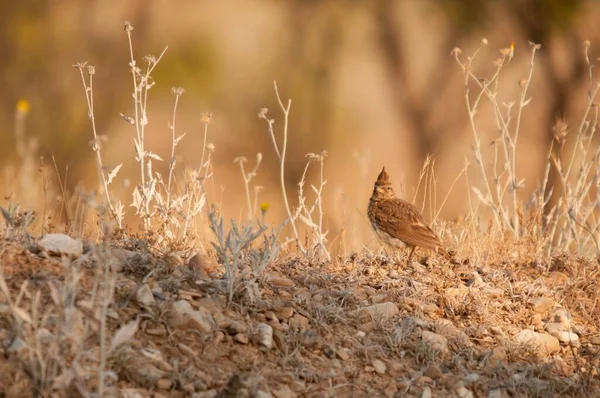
<point x="59" y="244"/>
<point x="265" y="336"/>
<point x="164" y="384"/>
<point x="542" y="304"/>
<point x="567" y="337"/>
<point x="280" y="281"/>
<point x="379" y="366"/>
<point x="435" y="341"/>
<point x="433" y="372"/>
<point x="144" y="296"/>
<point x="241" y="338"/>
<point x="378" y="311"/>
<point x="342" y="354"/>
<point x="543" y="343"/>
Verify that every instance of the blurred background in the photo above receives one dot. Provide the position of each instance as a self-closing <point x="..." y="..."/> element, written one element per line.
<point x="373" y="83"/>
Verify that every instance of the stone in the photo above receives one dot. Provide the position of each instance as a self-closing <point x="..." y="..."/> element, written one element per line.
<point x="379" y="366"/>
<point x="280" y="281"/>
<point x="567" y="337"/>
<point x="556" y="278"/>
<point x="182" y="315"/>
<point x="299" y="321"/>
<point x="498" y="393"/>
<point x="202" y="263"/>
<point x="379" y="311"/>
<point x="433" y="372"/>
<point x="543" y="344"/>
<point x="498" y="357"/>
<point x="265" y="336"/>
<point x="435" y="341"/>
<point x="426" y="393"/>
<point x="342" y="354"/>
<point x="241" y="338"/>
<point x="59" y="244"/>
<point x="554" y="328"/>
<point x="563" y="316"/>
<point x="463" y="392"/>
<point x="144" y="296"/>
<point x="285" y="313"/>
<point x="164" y="384"/>
<point x="471" y="378"/>
<point x="542" y="305"/>
<point x="308" y="338"/>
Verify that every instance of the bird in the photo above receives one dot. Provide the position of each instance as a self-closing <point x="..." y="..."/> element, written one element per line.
<point x="398" y="223"/>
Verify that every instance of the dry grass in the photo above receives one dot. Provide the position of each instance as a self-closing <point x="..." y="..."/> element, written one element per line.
<point x="276" y="316"/>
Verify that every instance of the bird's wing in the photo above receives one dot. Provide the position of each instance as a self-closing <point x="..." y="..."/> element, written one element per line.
<point x="404" y="221"/>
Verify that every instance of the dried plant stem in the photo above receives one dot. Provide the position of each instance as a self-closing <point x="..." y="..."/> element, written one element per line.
<point x="96" y="146"/>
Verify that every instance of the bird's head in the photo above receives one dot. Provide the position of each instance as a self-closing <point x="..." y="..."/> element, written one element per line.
<point x="383" y="187"/>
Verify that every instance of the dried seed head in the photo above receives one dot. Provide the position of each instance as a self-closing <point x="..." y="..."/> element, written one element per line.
<point x="586" y="44"/>
<point x="560" y="130"/>
<point x="128" y="27"/>
<point x="206" y="117"/>
<point x="455" y="51"/>
<point x="263" y="113"/>
<point x="523" y="83"/>
<point x="484" y="41"/>
<point x="177" y="91"/>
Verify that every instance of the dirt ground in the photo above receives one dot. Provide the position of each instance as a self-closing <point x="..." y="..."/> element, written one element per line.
<point x="365" y="325"/>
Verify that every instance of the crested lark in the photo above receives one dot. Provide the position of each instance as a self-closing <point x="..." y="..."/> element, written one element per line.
<point x="397" y="222"/>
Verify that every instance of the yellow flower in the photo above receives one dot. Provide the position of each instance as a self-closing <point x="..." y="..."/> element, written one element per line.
<point x="264" y="207"/>
<point x="512" y="49"/>
<point x="23" y="106"/>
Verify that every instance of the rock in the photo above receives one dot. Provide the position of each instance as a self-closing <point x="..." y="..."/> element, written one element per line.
<point x="308" y="338"/>
<point x="542" y="304"/>
<point x="563" y="316"/>
<point x="379" y="366"/>
<point x="270" y="315"/>
<point x="471" y="378"/>
<point x="59" y="244"/>
<point x="494" y="292"/>
<point x="463" y="392"/>
<point x="536" y="322"/>
<point x="498" y="393"/>
<point x="265" y="336"/>
<point x="435" y="341"/>
<point x="379" y="298"/>
<point x="554" y="328"/>
<point x="164" y="384"/>
<point x="447" y="329"/>
<point x="284" y="392"/>
<point x="280" y="281"/>
<point x="182" y="315"/>
<point x="285" y="313"/>
<point x="497" y="330"/>
<point x="144" y="296"/>
<point x="342" y="354"/>
<point x="426" y="393"/>
<point x="498" y="357"/>
<point x="457" y="294"/>
<point x="241" y="338"/>
<point x="567" y="337"/>
<point x="543" y="344"/>
<point x="556" y="278"/>
<point x="299" y="322"/>
<point x="433" y="372"/>
<point x="378" y="311"/>
<point x="203" y="264"/>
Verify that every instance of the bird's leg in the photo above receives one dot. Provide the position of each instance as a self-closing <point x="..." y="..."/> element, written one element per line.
<point x="411" y="254"/>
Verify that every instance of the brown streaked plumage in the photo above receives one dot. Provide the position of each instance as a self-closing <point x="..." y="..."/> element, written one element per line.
<point x="398" y="223"/>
